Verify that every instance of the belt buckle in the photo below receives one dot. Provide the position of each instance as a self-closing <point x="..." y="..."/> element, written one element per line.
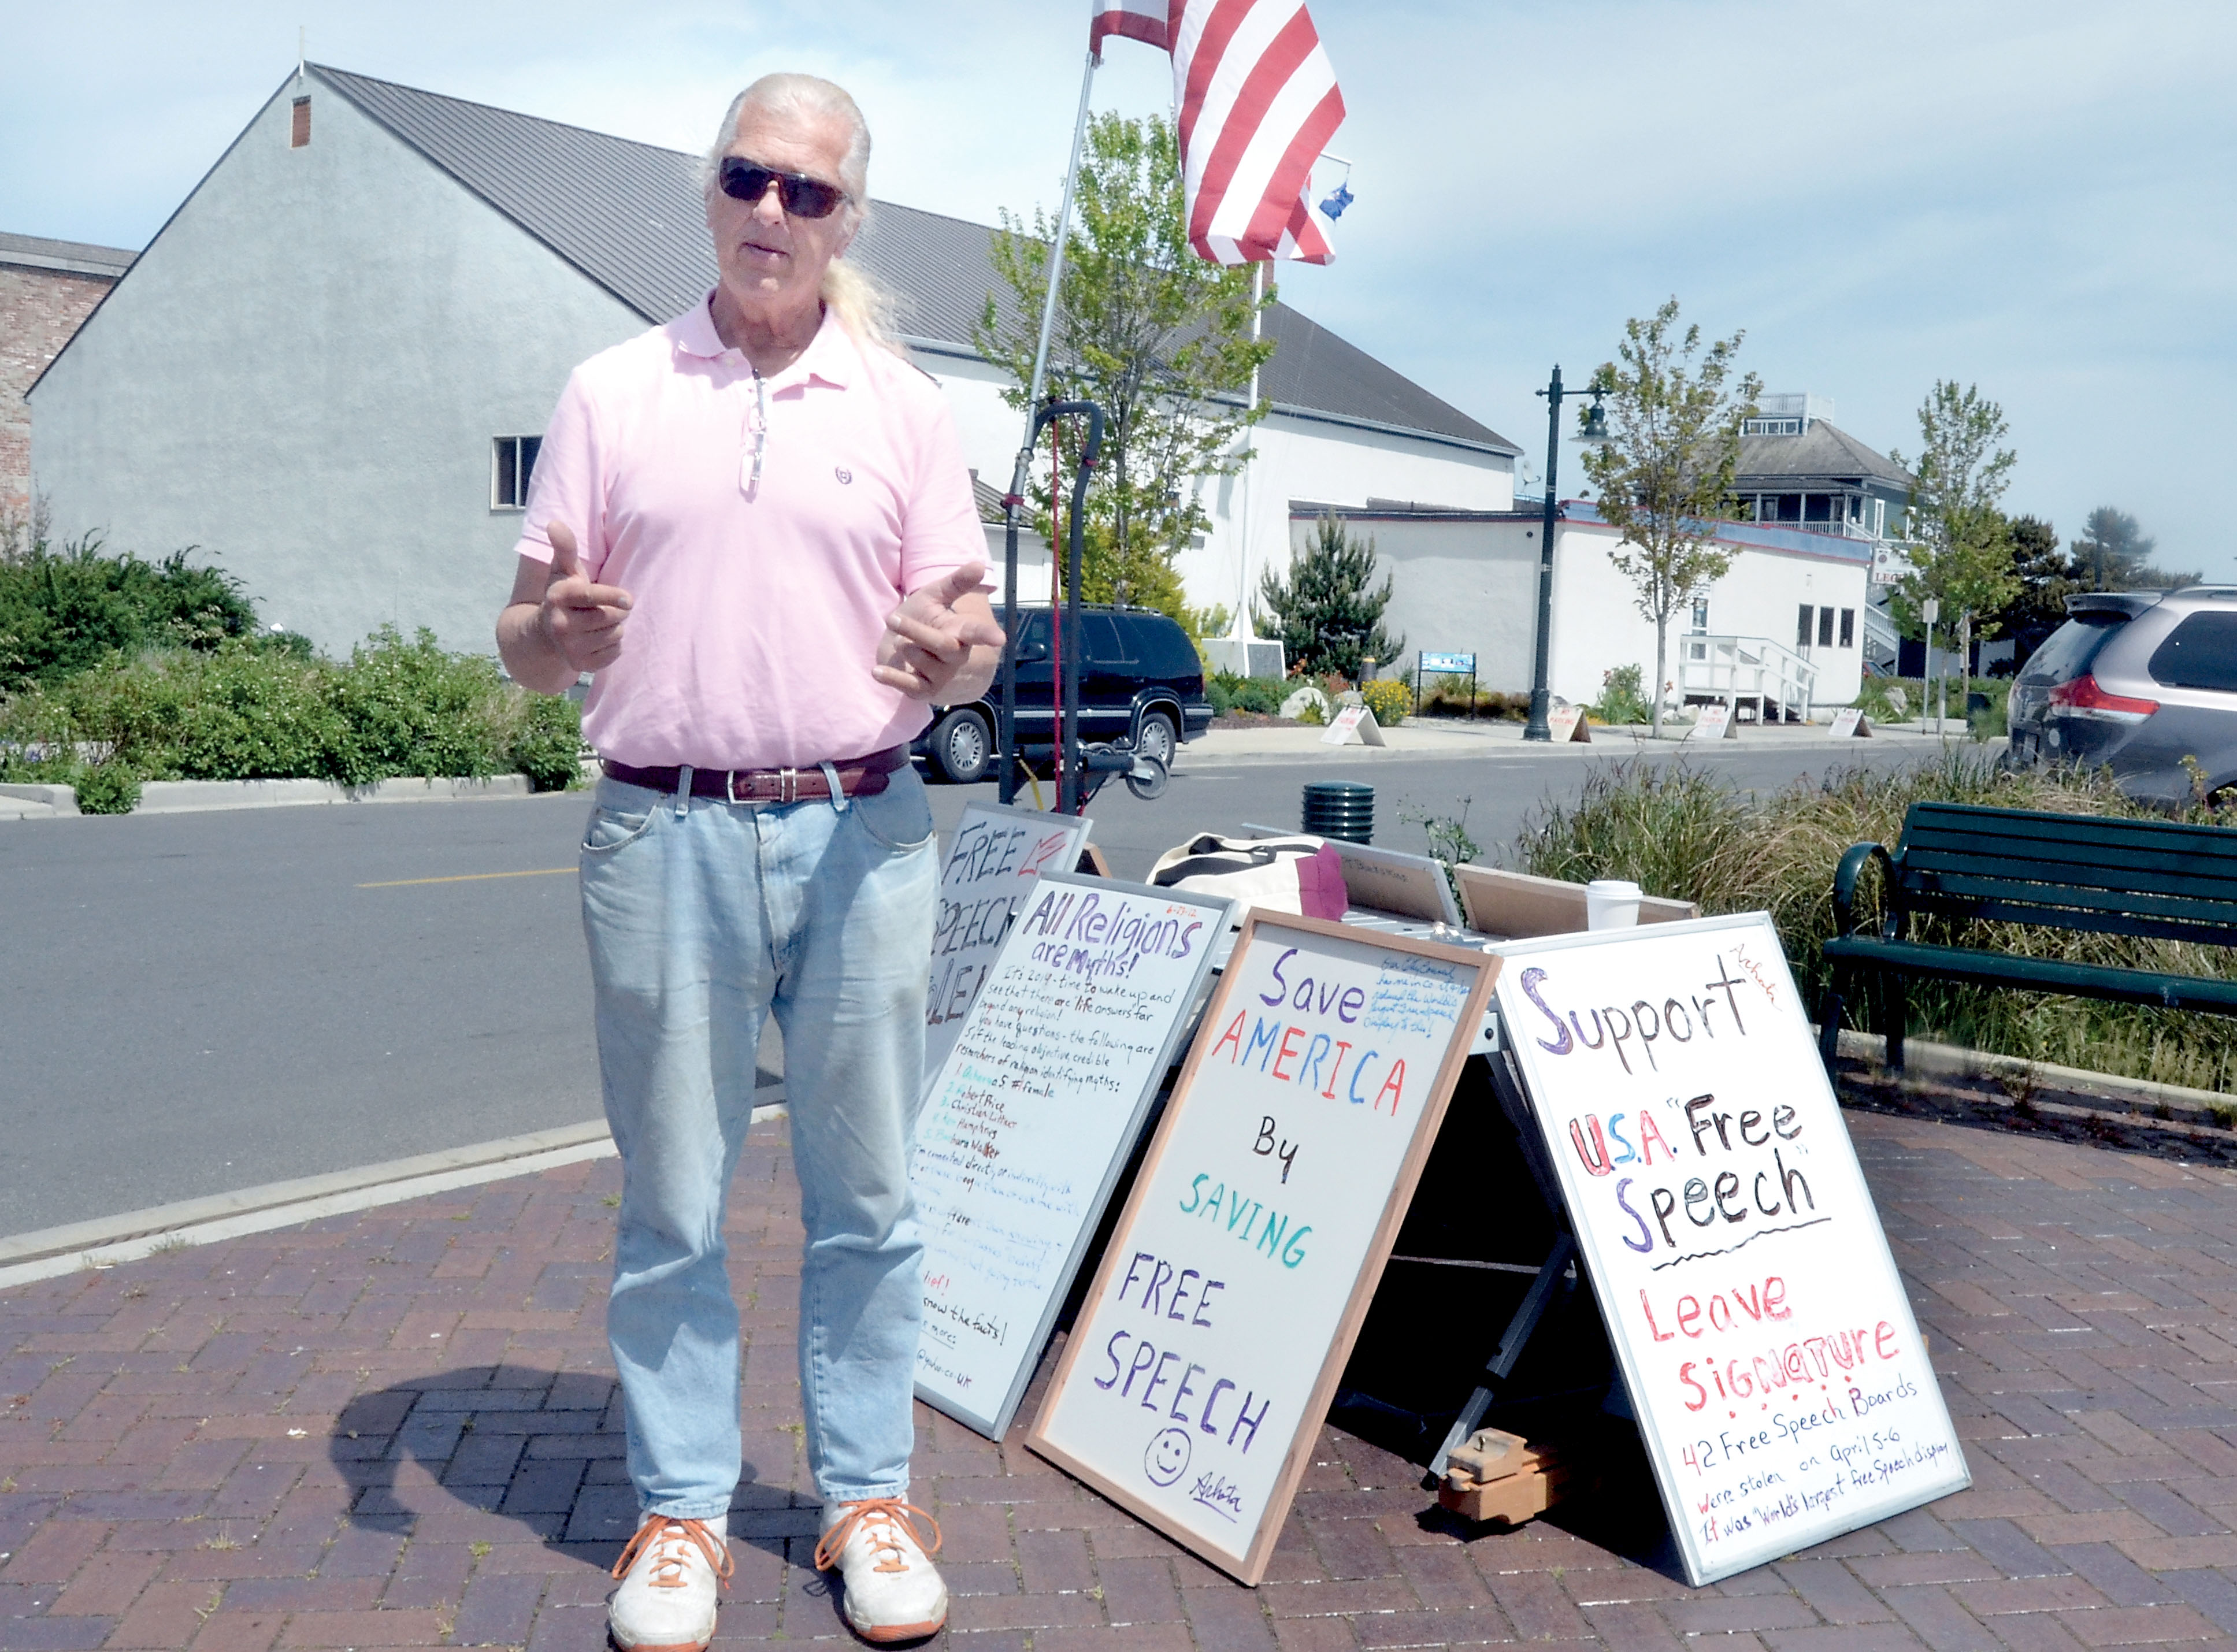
<point x="787" y="786"/>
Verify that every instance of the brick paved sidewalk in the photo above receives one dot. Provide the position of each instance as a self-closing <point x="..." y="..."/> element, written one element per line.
<point x="399" y="1428"/>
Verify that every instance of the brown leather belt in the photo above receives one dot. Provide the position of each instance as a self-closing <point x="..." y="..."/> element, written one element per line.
<point x="858" y="777"/>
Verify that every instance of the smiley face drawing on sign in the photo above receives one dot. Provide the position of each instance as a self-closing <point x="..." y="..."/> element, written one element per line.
<point x="1167" y="1458"/>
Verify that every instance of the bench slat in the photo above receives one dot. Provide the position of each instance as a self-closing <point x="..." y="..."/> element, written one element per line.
<point x="1972" y="820"/>
<point x="2051" y="975"/>
<point x="2080" y="855"/>
<point x="2157" y="892"/>
<point x="2112" y="922"/>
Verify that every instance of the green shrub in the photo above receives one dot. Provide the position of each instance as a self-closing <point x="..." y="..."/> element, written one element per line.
<point x="107" y="788"/>
<point x="1682" y="833"/>
<point x="64" y="611"/>
<point x="1229" y="691"/>
<point x="1622" y="700"/>
<point x="545" y="740"/>
<point x="256" y="708"/>
<point x="1449" y="696"/>
<point x="411" y="708"/>
<point x="1388" y="698"/>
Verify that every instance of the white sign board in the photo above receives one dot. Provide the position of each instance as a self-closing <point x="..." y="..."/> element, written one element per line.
<point x="1569" y="724"/>
<point x="1354" y="726"/>
<point x="1715" y="722"/>
<point x="1032" y="1116"/>
<point x="1850" y="723"/>
<point x="997" y="855"/>
<point x="1781" y="1385"/>
<point x="1205" y="1354"/>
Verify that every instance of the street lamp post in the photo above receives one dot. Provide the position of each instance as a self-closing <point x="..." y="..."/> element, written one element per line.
<point x="1595" y="430"/>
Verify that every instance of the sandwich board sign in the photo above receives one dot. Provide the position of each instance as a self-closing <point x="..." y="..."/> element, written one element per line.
<point x="1569" y="725"/>
<point x="1032" y="1116"/>
<point x="1782" y="1388"/>
<point x="1850" y="723"/>
<point x="1207" y="1349"/>
<point x="1714" y="722"/>
<point x="997" y="854"/>
<point x="1354" y="726"/>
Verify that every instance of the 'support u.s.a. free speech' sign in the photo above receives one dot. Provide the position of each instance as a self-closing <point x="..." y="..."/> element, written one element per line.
<point x="1781" y="1385"/>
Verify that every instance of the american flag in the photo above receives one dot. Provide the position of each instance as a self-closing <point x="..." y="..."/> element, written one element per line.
<point x="1256" y="101"/>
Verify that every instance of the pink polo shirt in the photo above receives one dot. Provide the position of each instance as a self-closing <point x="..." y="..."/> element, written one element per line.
<point x="759" y="605"/>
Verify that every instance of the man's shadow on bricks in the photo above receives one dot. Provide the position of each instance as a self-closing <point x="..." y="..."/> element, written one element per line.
<point x="544" y="1450"/>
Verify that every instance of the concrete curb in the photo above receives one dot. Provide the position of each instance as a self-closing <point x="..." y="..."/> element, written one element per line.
<point x="25" y="802"/>
<point x="107" y="1241"/>
<point x="179" y="797"/>
<point x="1435" y="738"/>
<point x="2099" y="1091"/>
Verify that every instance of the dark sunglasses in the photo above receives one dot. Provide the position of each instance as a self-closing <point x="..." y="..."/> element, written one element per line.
<point x="804" y="196"/>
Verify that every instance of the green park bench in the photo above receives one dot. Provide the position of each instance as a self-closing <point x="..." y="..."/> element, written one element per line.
<point x="2077" y="871"/>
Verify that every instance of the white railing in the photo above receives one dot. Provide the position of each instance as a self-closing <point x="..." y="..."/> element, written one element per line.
<point x="1737" y="668"/>
<point x="1881" y="638"/>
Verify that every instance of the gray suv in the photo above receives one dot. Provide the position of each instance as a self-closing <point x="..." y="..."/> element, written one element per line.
<point x="2140" y="680"/>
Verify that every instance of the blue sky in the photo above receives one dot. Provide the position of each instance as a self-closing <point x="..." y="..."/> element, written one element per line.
<point x="2038" y="197"/>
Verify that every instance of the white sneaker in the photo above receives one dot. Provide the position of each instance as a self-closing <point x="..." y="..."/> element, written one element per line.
<point x="894" y="1593"/>
<point x="669" y="1573"/>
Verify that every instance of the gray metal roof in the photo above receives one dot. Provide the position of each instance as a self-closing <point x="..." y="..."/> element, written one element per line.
<point x="1822" y="453"/>
<point x="77" y="258"/>
<point x="630" y="217"/>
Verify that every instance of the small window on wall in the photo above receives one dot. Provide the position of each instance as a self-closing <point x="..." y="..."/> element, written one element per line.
<point x="1824" y="627"/>
<point x="1700" y="614"/>
<point x="1802" y="628"/>
<point x="299" y="125"/>
<point x="514" y="462"/>
<point x="1848" y="627"/>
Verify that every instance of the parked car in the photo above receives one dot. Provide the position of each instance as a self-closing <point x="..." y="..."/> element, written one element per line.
<point x="1140" y="681"/>
<point x="2140" y="680"/>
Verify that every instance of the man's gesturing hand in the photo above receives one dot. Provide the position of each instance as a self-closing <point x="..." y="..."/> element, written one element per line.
<point x="583" y="622"/>
<point x="942" y="643"/>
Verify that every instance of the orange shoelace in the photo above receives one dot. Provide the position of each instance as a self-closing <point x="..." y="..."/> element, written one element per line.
<point x="668" y="1539"/>
<point x="887" y="1519"/>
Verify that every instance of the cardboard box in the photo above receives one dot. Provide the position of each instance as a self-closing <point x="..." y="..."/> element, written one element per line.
<point x="1517" y="906"/>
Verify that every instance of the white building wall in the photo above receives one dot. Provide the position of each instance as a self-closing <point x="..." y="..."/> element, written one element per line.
<point x="1471" y="586"/>
<point x="1597" y="624"/>
<point x="303" y="376"/>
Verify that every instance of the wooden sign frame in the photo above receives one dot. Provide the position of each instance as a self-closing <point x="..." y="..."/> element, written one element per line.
<point x="1214" y="910"/>
<point x="1247" y="1560"/>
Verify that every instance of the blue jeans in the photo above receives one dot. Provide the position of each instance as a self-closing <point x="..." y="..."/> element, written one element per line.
<point x="702" y="917"/>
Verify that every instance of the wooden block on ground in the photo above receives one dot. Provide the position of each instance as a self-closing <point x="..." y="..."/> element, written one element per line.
<point x="1502" y="1476"/>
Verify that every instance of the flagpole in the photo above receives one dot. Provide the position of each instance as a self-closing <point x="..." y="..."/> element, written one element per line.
<point x="1242" y="626"/>
<point x="1015" y="500"/>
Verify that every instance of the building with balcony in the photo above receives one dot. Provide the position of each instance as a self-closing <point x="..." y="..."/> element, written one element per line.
<point x="1798" y="470"/>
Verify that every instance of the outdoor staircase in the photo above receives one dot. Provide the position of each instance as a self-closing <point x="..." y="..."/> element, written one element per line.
<point x="1745" y="672"/>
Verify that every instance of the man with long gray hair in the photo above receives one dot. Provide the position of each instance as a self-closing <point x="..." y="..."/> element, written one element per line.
<point x="753" y="528"/>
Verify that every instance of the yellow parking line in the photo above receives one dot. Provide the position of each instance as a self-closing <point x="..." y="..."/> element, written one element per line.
<point x="470" y="878"/>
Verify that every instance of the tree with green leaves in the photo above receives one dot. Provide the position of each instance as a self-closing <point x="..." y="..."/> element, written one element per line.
<point x="1960" y="553"/>
<point x="2115" y="554"/>
<point x="2045" y="576"/>
<point x="1146" y="328"/>
<point x="1665" y="475"/>
<point x="1325" y="614"/>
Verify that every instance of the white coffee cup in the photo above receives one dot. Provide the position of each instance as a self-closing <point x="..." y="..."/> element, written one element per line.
<point x="1611" y="903"/>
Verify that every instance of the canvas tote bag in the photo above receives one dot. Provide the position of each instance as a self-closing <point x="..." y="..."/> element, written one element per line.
<point x="1299" y="874"/>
